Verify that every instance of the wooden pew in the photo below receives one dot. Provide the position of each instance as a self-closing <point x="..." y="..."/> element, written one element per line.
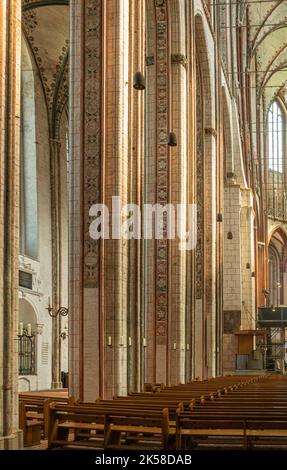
<point x="253" y="415"/>
<point x="224" y="411"/>
<point x="137" y="425"/>
<point x="36" y="409"/>
<point x="146" y="431"/>
<point x="31" y="427"/>
<point x="241" y="429"/>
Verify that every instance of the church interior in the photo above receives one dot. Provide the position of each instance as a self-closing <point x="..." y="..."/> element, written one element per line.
<point x="112" y="342"/>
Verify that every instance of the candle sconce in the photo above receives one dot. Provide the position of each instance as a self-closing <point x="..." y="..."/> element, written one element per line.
<point x="62" y="311"/>
<point x="25" y="331"/>
<point x="64" y="335"/>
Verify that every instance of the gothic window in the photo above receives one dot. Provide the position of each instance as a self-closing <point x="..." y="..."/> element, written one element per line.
<point x="275" y="138"/>
<point x="29" y="198"/>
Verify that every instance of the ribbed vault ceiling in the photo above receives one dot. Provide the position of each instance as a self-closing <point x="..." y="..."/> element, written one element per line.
<point x="46" y="27"/>
<point x="268" y="21"/>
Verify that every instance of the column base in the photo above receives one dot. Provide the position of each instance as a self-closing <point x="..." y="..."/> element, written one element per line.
<point x="55" y="385"/>
<point x="12" y="442"/>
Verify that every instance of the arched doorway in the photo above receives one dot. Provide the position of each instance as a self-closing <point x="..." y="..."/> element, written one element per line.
<point x="277" y="296"/>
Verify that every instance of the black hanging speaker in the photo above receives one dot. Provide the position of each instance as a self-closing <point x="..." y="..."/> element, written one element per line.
<point x="172" y="141"/>
<point x="139" y="81"/>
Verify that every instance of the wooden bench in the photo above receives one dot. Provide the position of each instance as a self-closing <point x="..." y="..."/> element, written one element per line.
<point x="220" y="411"/>
<point x="111" y="424"/>
<point x="64" y="419"/>
<point x="134" y="419"/>
<point x="133" y="429"/>
<point x="36" y="408"/>
<point x="248" y="416"/>
<point x="241" y="430"/>
<point x="31" y="427"/>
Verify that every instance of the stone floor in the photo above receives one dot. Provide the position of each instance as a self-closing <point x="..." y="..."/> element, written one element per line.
<point x="42" y="446"/>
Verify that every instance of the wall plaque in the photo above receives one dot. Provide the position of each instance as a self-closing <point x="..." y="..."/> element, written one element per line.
<point x="25" y="279"/>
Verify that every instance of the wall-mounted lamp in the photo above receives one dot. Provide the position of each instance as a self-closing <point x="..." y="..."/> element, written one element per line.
<point x="139" y="81"/>
<point x="62" y="311"/>
<point x="172" y="140"/>
<point x="64" y="335"/>
<point x="247" y="265"/>
<point x="229" y="236"/>
<point x="219" y="217"/>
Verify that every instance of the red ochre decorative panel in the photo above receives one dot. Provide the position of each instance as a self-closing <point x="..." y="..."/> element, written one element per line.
<point x="162" y="163"/>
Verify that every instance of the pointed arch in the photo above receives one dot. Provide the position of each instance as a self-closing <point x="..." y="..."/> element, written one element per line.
<point x="275" y="131"/>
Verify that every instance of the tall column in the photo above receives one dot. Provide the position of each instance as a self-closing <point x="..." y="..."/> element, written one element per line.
<point x="149" y="266"/>
<point x="10" y="55"/>
<point x="232" y="273"/>
<point x="55" y="148"/>
<point x="135" y="329"/>
<point x="247" y="259"/>
<point x="168" y="180"/>
<point x="105" y="146"/>
<point x="86" y="88"/>
<point x="157" y="190"/>
<point x="178" y="183"/>
<point x="116" y="184"/>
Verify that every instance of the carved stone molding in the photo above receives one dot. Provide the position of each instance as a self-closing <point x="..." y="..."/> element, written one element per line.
<point x="199" y="252"/>
<point x="210" y="131"/>
<point x="149" y="60"/>
<point x="39" y="328"/>
<point x="162" y="161"/>
<point x="179" y="59"/>
<point x="92" y="144"/>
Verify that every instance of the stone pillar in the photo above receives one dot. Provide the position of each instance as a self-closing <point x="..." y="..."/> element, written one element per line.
<point x="284" y="285"/>
<point x="247" y="262"/>
<point x="162" y="191"/>
<point x="10" y="55"/>
<point x="85" y="357"/>
<point x="167" y="180"/>
<point x="232" y="276"/>
<point x="239" y="264"/>
<point x="105" y="143"/>
<point x="178" y="193"/>
<point x="158" y="307"/>
<point x="149" y="266"/>
<point x="135" y="323"/>
<point x="232" y="250"/>
<point x="55" y="149"/>
<point x="116" y="184"/>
